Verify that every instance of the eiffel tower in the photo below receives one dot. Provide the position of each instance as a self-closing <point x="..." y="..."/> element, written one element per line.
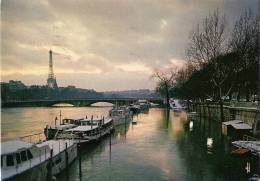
<point x="51" y="81"/>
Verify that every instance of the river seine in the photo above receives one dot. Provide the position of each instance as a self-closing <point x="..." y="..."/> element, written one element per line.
<point x="161" y="146"/>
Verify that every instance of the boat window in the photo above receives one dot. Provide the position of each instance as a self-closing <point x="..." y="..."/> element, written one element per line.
<point x="18" y="158"/>
<point x="29" y="154"/>
<point x="1" y="160"/>
<point x="9" y="160"/>
<point x="23" y="156"/>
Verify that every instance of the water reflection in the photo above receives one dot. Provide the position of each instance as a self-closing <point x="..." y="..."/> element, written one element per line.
<point x="191" y="125"/>
<point x="209" y="145"/>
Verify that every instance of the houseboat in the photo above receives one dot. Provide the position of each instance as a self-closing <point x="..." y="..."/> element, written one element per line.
<point x="120" y="115"/>
<point x="135" y="109"/>
<point x="236" y="129"/>
<point x="144" y="105"/>
<point x="22" y="160"/>
<point x="88" y="131"/>
<point x="66" y="124"/>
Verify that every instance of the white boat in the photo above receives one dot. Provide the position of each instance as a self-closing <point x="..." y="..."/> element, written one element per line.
<point x="66" y="124"/>
<point x="175" y="105"/>
<point x="120" y="115"/>
<point x="144" y="105"/>
<point x="88" y="130"/>
<point x="21" y="160"/>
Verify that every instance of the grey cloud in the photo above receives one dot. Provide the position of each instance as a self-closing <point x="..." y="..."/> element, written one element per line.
<point x="102" y="34"/>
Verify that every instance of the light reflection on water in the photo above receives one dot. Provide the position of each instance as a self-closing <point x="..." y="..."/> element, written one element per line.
<point x="159" y="147"/>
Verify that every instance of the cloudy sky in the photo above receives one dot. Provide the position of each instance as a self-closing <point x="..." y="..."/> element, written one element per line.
<point x="101" y="44"/>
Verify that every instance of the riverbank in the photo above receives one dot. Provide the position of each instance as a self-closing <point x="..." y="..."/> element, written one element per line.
<point x="244" y="112"/>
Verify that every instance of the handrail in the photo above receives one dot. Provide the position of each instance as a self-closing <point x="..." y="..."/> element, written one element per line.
<point x="31" y="136"/>
<point x="249" y="138"/>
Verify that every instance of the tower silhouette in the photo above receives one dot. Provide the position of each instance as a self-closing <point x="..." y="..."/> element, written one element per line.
<point x="51" y="81"/>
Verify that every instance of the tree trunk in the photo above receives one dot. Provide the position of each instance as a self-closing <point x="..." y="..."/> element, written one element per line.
<point x="221" y="106"/>
<point x="238" y="95"/>
<point x="247" y="95"/>
<point x="167" y="96"/>
<point x="221" y="110"/>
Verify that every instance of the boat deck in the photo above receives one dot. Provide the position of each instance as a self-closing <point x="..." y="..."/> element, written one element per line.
<point x="253" y="146"/>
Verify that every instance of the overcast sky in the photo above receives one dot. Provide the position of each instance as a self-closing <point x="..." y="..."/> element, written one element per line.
<point x="102" y="44"/>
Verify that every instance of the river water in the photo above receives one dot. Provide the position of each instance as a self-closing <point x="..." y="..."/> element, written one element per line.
<point x="161" y="146"/>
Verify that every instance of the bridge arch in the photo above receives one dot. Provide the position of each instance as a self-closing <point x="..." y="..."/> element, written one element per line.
<point x="102" y="104"/>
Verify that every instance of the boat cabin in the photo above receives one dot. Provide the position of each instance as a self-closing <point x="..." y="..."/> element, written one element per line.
<point x="227" y="126"/>
<point x="18" y="156"/>
<point x="236" y="128"/>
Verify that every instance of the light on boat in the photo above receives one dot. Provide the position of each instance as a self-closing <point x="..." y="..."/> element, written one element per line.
<point x="191" y="125"/>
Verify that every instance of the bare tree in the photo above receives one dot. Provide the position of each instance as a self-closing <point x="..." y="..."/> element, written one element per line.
<point x="208" y="49"/>
<point x="244" y="36"/>
<point x="244" y="42"/>
<point x="165" y="81"/>
<point x="207" y="41"/>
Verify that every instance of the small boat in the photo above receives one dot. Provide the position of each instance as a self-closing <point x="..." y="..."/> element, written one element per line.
<point x="240" y="152"/>
<point x="22" y="160"/>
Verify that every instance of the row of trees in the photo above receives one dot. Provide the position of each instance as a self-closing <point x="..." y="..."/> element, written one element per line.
<point x="220" y="63"/>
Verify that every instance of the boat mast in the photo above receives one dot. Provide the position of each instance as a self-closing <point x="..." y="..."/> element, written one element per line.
<point x="60" y="117"/>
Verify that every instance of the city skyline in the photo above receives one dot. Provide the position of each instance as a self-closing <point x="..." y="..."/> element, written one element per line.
<point x="101" y="45"/>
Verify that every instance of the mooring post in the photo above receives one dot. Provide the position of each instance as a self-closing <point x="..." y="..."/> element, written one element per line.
<point x="49" y="166"/>
<point x="125" y="124"/>
<point x="66" y="158"/>
<point x="110" y="143"/>
<point x="79" y="155"/>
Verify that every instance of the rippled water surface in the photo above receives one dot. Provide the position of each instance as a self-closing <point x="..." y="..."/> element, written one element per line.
<point x="161" y="146"/>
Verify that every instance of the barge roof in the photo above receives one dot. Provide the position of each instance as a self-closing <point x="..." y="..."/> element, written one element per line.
<point x="242" y="126"/>
<point x="227" y="123"/>
<point x="13" y="146"/>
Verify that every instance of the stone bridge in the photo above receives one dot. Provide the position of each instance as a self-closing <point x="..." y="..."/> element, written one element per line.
<point x="74" y="102"/>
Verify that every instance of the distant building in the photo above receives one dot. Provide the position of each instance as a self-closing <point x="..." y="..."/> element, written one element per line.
<point x="14" y="85"/>
<point x="51" y="81"/>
